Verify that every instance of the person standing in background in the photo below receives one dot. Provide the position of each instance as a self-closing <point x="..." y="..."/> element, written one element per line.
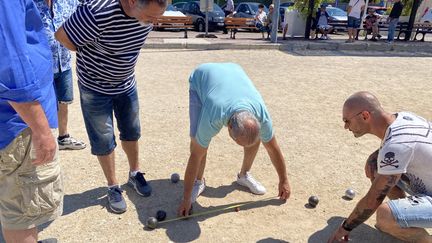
<point x="261" y="19"/>
<point x="53" y="14"/>
<point x="393" y="20"/>
<point x="355" y="9"/>
<point x="228" y="10"/>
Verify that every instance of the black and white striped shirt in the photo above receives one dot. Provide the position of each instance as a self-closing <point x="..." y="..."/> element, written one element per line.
<point x="108" y="44"/>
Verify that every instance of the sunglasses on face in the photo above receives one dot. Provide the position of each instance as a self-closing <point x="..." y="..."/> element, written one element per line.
<point x="347" y="121"/>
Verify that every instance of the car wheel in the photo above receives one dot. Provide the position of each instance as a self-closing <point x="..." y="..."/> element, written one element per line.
<point x="200" y="26"/>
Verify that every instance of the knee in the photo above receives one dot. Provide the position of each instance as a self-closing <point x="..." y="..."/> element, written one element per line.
<point x="384" y="218"/>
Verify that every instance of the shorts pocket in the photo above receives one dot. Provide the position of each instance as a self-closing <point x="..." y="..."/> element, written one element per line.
<point x="42" y="190"/>
<point x="12" y="156"/>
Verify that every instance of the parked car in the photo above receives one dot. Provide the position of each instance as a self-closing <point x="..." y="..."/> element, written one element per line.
<point x="378" y="9"/>
<point x="247" y="10"/>
<point x="216" y="18"/>
<point x="427" y="16"/>
<point x="337" y="17"/>
<point x="172" y="11"/>
<point x="179" y="6"/>
<point x="287" y="4"/>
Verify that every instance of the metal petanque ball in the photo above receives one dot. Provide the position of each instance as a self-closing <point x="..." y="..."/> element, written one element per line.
<point x="152" y="222"/>
<point x="175" y="178"/>
<point x="160" y="215"/>
<point x="313" y="201"/>
<point x="350" y="193"/>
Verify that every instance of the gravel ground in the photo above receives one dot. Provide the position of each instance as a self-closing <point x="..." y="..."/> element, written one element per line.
<point x="304" y="93"/>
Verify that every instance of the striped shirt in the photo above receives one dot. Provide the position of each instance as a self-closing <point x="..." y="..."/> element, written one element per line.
<point x="108" y="44"/>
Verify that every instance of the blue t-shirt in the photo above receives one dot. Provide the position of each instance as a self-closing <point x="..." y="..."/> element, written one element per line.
<point x="25" y="66"/>
<point x="224" y="88"/>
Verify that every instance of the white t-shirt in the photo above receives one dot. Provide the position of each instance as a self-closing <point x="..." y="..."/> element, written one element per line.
<point x="407" y="150"/>
<point x="322" y="21"/>
<point x="356" y="6"/>
<point x="230" y="6"/>
<point x="261" y="17"/>
<point x="287" y="11"/>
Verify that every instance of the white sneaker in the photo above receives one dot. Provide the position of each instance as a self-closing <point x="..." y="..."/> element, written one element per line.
<point x="71" y="143"/>
<point x="197" y="189"/>
<point x="250" y="182"/>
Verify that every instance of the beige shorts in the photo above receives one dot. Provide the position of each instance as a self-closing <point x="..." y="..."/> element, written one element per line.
<point x="29" y="195"/>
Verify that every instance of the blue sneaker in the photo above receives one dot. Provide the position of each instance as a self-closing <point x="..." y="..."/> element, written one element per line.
<point x="140" y="184"/>
<point x="116" y="201"/>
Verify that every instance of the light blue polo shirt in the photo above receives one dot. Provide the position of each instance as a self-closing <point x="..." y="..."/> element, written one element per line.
<point x="224" y="88"/>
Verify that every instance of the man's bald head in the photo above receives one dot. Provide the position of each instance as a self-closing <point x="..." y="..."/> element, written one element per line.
<point x="362" y="101"/>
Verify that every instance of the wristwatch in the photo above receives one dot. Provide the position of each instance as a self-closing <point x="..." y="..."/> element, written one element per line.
<point x="345" y="226"/>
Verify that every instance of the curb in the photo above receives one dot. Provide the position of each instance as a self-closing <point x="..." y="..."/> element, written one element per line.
<point x="299" y="46"/>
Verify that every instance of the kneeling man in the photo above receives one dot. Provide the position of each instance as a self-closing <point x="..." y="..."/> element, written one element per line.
<point x="221" y="94"/>
<point x="403" y="164"/>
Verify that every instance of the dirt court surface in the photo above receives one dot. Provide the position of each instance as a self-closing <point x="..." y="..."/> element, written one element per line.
<point x="304" y="94"/>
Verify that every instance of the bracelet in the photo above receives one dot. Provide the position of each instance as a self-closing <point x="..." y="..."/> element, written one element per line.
<point x="345" y="227"/>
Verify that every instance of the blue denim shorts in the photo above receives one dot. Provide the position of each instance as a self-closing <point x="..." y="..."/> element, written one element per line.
<point x="98" y="112"/>
<point x="194" y="112"/>
<point x="412" y="211"/>
<point x="261" y="27"/>
<point x="63" y="86"/>
<point x="353" y="22"/>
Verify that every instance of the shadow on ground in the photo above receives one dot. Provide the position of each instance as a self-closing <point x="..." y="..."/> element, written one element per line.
<point x="93" y="197"/>
<point x="166" y="196"/>
<point x="222" y="191"/>
<point x="74" y="202"/>
<point x="363" y="233"/>
<point x="271" y="240"/>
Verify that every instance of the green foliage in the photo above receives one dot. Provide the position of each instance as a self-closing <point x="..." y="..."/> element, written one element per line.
<point x="406" y="11"/>
<point x="303" y="6"/>
<point x="407" y="7"/>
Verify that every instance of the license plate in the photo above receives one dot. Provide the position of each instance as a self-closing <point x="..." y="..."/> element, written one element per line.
<point x="220" y="24"/>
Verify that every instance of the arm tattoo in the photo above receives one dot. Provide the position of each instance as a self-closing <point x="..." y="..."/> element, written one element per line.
<point x="390" y="184"/>
<point x="363" y="215"/>
<point x="372" y="160"/>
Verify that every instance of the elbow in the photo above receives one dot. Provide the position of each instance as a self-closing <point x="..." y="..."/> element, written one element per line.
<point x="72" y="48"/>
<point x="62" y="38"/>
<point x="374" y="202"/>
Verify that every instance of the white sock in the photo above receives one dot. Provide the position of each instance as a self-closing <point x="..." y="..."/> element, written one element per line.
<point x="133" y="173"/>
<point x="112" y="186"/>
